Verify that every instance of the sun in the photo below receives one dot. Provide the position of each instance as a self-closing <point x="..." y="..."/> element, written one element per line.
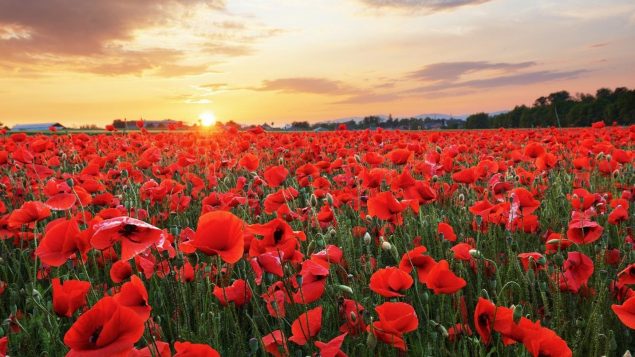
<point x="207" y="118"/>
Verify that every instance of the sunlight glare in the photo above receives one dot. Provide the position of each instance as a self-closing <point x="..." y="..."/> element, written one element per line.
<point x="207" y="118"/>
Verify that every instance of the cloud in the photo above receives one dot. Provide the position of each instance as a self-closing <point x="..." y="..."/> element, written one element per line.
<point x="312" y="85"/>
<point x="431" y="5"/>
<point x="370" y="97"/>
<point x="448" y="88"/>
<point x="214" y="86"/>
<point x="451" y="71"/>
<point x="80" y="27"/>
<point x="119" y="37"/>
<point x="307" y="85"/>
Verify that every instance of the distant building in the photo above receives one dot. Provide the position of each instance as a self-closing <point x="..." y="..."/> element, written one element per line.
<point x="38" y="127"/>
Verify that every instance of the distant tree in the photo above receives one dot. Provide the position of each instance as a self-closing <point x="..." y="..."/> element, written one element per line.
<point x="477" y="121"/>
<point x="301" y="125"/>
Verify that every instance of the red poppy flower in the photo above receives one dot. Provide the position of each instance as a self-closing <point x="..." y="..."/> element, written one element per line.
<point x="276" y="344"/>
<point x="399" y="156"/>
<point x="238" y="293"/>
<point x="107" y="329"/>
<point x="627" y="276"/>
<point x="69" y="296"/>
<point x="188" y="349"/>
<point x="135" y="236"/>
<point x="466" y="176"/>
<point x="442" y="280"/>
<point x="4" y="345"/>
<point x="577" y="270"/>
<point x="306" y="326"/>
<point x="332" y="348"/>
<point x="29" y="212"/>
<point x="582" y="230"/>
<point x="420" y="191"/>
<point x="618" y="215"/>
<point x="134" y="295"/>
<point x="385" y="206"/>
<point x="249" y="162"/>
<point x="220" y="233"/>
<point x="277" y="237"/>
<point x="541" y="341"/>
<point x="484" y="319"/>
<point x="626" y="312"/>
<point x="537" y="259"/>
<point x="120" y="271"/>
<point x="62" y="239"/>
<point x="390" y="281"/>
<point x="446" y="231"/>
<point x="351" y="311"/>
<point x="312" y="282"/>
<point x="395" y="319"/>
<point x="418" y="260"/>
<point x="275" y="175"/>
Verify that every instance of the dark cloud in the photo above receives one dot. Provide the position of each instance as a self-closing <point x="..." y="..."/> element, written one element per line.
<point x="451" y="71"/>
<point x="91" y="35"/>
<point x="432" y="5"/>
<point x="80" y="27"/>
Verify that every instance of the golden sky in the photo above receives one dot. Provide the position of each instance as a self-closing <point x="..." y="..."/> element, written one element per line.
<point x="256" y="61"/>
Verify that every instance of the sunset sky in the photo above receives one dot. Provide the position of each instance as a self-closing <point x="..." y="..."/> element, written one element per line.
<point x="78" y="61"/>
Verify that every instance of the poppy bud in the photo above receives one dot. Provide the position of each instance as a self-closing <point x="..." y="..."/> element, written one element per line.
<point x="299" y="279"/>
<point x="253" y="345"/>
<point x="313" y="201"/>
<point x="281" y="160"/>
<point x="70" y="182"/>
<point x="531" y="276"/>
<point x="124" y="173"/>
<point x="386" y="246"/>
<point x="332" y="232"/>
<point x="579" y="322"/>
<point x="435" y="178"/>
<point x="345" y="288"/>
<point x="371" y="340"/>
<point x="357" y="158"/>
<point x="367" y="238"/>
<point x="329" y="199"/>
<point x="438" y="149"/>
<point x="425" y="296"/>
<point x="475" y="253"/>
<point x="444" y="332"/>
<point x="320" y="242"/>
<point x="558" y="259"/>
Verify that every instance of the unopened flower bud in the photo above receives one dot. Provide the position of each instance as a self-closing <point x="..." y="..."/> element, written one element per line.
<point x="345" y="288"/>
<point x="367" y="238"/>
<point x="475" y="253"/>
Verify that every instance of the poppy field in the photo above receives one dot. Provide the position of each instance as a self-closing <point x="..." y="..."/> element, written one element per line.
<point x="360" y="243"/>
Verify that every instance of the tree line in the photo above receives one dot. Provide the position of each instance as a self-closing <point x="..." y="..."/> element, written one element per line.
<point x="560" y="109"/>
